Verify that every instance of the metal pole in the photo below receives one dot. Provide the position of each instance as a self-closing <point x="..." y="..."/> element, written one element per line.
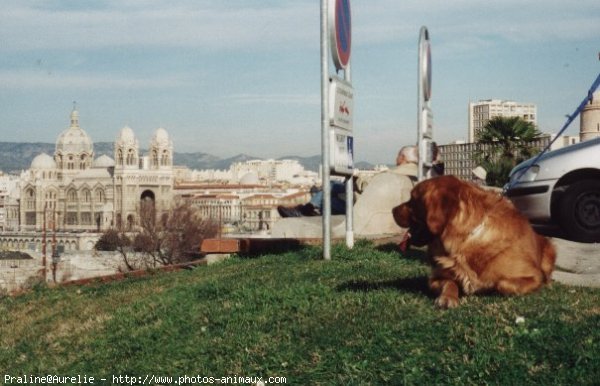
<point x="54" y="253"/>
<point x="326" y="207"/>
<point x="420" y="98"/>
<point x="44" y="243"/>
<point x="53" y="231"/>
<point x="349" y="190"/>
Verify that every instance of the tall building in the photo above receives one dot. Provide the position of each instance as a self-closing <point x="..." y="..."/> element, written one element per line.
<point x="77" y="192"/>
<point x="481" y="112"/>
<point x="461" y="158"/>
<point x="589" y="122"/>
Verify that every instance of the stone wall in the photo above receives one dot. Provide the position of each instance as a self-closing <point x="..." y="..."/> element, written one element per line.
<point x="18" y="274"/>
<point x="14" y="274"/>
<point x="33" y="241"/>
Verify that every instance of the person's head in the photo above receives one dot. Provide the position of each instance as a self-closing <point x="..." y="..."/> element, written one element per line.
<point x="479" y="175"/>
<point x="407" y="154"/>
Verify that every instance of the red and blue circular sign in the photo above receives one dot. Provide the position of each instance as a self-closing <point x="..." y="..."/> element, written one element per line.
<point x="340" y="32"/>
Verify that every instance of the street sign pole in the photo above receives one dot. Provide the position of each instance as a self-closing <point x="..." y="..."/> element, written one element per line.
<point x="326" y="206"/>
<point x="349" y="191"/>
<point x="424" y="115"/>
<point x="337" y="109"/>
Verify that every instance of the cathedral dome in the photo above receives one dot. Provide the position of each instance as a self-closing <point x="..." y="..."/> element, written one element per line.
<point x="74" y="140"/>
<point x="250" y="178"/>
<point x="103" y="162"/>
<point x="161" y="137"/>
<point x="43" y="161"/>
<point x="126" y="136"/>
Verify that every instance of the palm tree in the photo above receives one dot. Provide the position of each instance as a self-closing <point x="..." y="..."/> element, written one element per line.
<point x="505" y="141"/>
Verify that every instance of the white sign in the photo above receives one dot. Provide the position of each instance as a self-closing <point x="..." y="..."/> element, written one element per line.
<point x="426" y="150"/>
<point x="425" y="52"/>
<point x="342" y="152"/>
<point x="341" y="103"/>
<point x="427" y="123"/>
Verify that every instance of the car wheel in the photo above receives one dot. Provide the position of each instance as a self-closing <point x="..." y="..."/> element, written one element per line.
<point x="580" y="211"/>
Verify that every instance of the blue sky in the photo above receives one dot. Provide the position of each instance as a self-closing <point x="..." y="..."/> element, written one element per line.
<point x="230" y="77"/>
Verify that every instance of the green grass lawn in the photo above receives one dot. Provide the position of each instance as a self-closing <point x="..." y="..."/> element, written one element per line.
<point x="365" y="317"/>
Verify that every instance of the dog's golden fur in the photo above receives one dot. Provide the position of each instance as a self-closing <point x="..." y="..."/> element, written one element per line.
<point x="477" y="240"/>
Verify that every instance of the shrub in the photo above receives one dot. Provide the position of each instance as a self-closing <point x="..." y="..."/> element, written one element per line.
<point x="109" y="241"/>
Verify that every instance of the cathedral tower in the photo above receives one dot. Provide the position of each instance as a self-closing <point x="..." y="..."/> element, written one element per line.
<point x="74" y="148"/>
<point x="589" y="122"/>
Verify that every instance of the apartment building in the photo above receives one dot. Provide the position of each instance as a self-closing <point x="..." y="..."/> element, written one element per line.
<point x="481" y="112"/>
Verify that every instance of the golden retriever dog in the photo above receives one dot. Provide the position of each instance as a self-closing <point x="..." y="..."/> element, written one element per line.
<point x="478" y="242"/>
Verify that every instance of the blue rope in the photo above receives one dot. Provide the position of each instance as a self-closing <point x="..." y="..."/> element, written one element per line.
<point x="570" y="119"/>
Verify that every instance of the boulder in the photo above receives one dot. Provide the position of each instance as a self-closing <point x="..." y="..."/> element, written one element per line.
<point x="372" y="213"/>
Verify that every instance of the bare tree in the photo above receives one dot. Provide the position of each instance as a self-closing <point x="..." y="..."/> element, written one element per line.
<point x="184" y="232"/>
<point x="117" y="240"/>
<point x="173" y="237"/>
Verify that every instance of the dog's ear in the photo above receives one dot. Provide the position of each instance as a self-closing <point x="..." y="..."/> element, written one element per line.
<point x="440" y="204"/>
<point x="401" y="215"/>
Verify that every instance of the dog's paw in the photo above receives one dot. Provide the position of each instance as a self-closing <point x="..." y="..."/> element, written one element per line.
<point x="445" y="302"/>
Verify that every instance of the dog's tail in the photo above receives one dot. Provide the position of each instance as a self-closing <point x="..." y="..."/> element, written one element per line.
<point x="548" y="257"/>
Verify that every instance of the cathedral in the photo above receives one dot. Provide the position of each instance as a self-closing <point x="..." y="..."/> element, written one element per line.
<point x="73" y="191"/>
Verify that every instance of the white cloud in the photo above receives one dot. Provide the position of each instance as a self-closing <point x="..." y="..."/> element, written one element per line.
<point x="284" y="99"/>
<point x="255" y="25"/>
<point x="155" y="25"/>
<point x="66" y="45"/>
<point x="516" y="20"/>
<point x="50" y="80"/>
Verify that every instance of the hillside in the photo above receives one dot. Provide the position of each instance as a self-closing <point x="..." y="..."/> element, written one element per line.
<point x="15" y="157"/>
<point x="363" y="318"/>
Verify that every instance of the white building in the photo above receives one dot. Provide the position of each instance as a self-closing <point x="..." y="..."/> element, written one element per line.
<point x="589" y="123"/>
<point x="245" y="207"/>
<point x="271" y="171"/>
<point x="481" y="112"/>
<point x="210" y="175"/>
<point x="267" y="172"/>
<point x="74" y="192"/>
<point x="9" y="202"/>
<point x="565" y="140"/>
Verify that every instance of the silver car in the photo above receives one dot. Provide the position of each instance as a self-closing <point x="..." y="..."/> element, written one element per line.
<point x="562" y="187"/>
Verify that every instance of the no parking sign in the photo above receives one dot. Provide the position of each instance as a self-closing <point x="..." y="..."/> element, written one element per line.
<point x="340" y="33"/>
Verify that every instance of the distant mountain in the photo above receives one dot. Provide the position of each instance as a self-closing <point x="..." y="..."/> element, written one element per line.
<point x="313" y="163"/>
<point x="225" y="163"/>
<point x="310" y="163"/>
<point x="196" y="160"/>
<point x="107" y="148"/>
<point x="364" y="165"/>
<point x="17" y="156"/>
